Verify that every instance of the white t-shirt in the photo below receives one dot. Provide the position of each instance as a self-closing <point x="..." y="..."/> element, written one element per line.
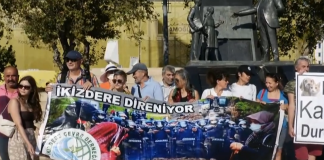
<point x="247" y="91"/>
<point x="211" y="91"/>
<point x="166" y="91"/>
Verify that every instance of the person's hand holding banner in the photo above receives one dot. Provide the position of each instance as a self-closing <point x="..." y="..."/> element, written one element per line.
<point x="283" y="107"/>
<point x="87" y="85"/>
<point x="146" y="98"/>
<point x="263" y="102"/>
<point x="192" y="100"/>
<point x="210" y="97"/>
<point x="115" y="150"/>
<point x="235" y="146"/>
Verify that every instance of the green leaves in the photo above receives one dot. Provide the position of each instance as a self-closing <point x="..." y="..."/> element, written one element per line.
<point x="7" y="57"/>
<point x="73" y="24"/>
<point x="301" y="23"/>
<point x="7" y="54"/>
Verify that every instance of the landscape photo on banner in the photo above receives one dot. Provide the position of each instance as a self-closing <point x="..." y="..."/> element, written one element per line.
<point x="99" y="124"/>
<point x="309" y="108"/>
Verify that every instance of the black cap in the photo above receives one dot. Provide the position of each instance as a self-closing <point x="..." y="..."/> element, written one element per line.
<point x="74" y="55"/>
<point x="136" y="67"/>
<point x="246" y="69"/>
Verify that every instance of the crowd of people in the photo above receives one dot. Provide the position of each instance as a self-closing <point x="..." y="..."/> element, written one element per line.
<point x="20" y="101"/>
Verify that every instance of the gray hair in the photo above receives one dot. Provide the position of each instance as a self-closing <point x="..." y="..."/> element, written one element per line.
<point x="302" y="58"/>
<point x="168" y="68"/>
<point x="185" y="76"/>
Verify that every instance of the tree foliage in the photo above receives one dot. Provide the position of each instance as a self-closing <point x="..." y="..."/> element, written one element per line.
<point x="301" y="22"/>
<point x="7" y="54"/>
<point x="300" y="25"/>
<point x="77" y="24"/>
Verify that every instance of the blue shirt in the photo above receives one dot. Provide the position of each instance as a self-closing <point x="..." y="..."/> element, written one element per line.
<point x="151" y="89"/>
<point x="267" y="100"/>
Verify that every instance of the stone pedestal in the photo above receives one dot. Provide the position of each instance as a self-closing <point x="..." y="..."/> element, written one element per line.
<point x="237" y="37"/>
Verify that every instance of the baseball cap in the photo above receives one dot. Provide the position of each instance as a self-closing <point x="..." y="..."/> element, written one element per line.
<point x="246" y="69"/>
<point x="136" y="67"/>
<point x="74" y="55"/>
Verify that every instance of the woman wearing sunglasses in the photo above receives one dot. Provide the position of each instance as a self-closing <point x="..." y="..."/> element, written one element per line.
<point x="273" y="94"/>
<point x="119" y="81"/>
<point x="184" y="92"/>
<point x="24" y="110"/>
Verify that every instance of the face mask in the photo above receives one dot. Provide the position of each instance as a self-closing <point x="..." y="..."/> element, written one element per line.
<point x="255" y="127"/>
<point x="111" y="76"/>
<point x="243" y="126"/>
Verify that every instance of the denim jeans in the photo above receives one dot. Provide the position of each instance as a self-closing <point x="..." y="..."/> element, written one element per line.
<point x="288" y="149"/>
<point x="4" y="148"/>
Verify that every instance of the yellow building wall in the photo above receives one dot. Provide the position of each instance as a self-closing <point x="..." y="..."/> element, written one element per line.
<point x="150" y="50"/>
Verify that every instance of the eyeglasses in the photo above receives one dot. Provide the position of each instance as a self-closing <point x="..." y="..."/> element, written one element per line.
<point x="118" y="81"/>
<point x="24" y="87"/>
<point x="72" y="60"/>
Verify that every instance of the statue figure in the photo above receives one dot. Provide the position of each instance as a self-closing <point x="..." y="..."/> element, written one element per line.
<point x="194" y="20"/>
<point x="210" y="33"/>
<point x="267" y="23"/>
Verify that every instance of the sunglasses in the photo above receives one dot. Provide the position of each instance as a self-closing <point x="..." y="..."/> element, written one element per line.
<point x="24" y="87"/>
<point x="72" y="60"/>
<point x="117" y="81"/>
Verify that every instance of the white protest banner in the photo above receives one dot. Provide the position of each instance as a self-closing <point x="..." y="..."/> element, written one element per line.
<point x="309" y="109"/>
<point x="99" y="124"/>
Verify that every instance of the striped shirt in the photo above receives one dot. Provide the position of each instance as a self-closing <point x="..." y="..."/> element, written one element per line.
<point x="80" y="80"/>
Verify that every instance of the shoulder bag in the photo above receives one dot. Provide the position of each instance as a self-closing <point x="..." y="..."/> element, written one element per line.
<point x="263" y="90"/>
<point x="6" y="127"/>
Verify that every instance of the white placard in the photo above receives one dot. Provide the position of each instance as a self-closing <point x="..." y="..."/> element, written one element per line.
<point x="133" y="61"/>
<point x="309" y="120"/>
<point x="112" y="53"/>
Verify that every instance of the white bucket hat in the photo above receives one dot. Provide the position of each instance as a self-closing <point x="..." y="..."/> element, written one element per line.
<point x="109" y="67"/>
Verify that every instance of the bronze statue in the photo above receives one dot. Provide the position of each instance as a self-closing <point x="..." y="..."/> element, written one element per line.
<point x="210" y="33"/>
<point x="267" y="23"/>
<point x="194" y="20"/>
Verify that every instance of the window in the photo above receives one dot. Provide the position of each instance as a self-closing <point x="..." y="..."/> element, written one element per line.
<point x="319" y="45"/>
<point x="319" y="54"/>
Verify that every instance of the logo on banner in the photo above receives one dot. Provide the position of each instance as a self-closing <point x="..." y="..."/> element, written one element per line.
<point x="72" y="144"/>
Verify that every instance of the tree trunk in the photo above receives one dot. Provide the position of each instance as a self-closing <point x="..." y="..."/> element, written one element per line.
<point x="86" y="54"/>
<point x="57" y="56"/>
<point x="67" y="45"/>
